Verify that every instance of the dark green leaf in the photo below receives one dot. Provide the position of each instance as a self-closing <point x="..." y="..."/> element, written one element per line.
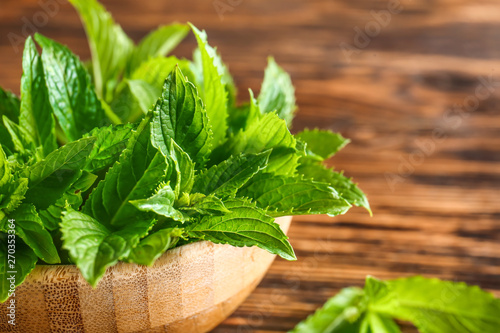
<point x="179" y="115"/>
<point x="154" y="245"/>
<point x="50" y="178"/>
<point x="71" y="92"/>
<point x="245" y="225"/>
<point x="224" y="179"/>
<point x="282" y="196"/>
<point x="21" y="257"/>
<point x="30" y="229"/>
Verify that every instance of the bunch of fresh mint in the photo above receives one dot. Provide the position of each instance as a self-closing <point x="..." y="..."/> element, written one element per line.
<point x="134" y="153"/>
<point x="432" y="305"/>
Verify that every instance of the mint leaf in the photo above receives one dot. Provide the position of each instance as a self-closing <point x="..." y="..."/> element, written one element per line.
<point x="110" y="143"/>
<point x="245" y="225"/>
<point x="161" y="203"/>
<point x="36" y="116"/>
<point x="93" y="247"/>
<point x="139" y="170"/>
<point x="267" y="132"/>
<point x="205" y="205"/>
<point x="213" y="89"/>
<point x="183" y="173"/>
<point x="12" y="190"/>
<point x="277" y="93"/>
<point x="71" y="92"/>
<point x="337" y="315"/>
<point x="179" y="115"/>
<point x="281" y="196"/>
<point x="9" y="107"/>
<point x="322" y="143"/>
<point x="134" y="99"/>
<point x="109" y="45"/>
<point x="25" y="260"/>
<point x="374" y="322"/>
<point x="343" y="185"/>
<point x="154" y="245"/>
<point x="30" y="229"/>
<point x="435" y="306"/>
<point x="224" y="179"/>
<point x="157" y="43"/>
<point x="23" y="142"/>
<point x="51" y="177"/>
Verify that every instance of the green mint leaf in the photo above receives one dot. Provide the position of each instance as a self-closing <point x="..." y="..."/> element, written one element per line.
<point x="12" y="191"/>
<point x="30" y="229"/>
<point x="343" y="185"/>
<point x="322" y="143"/>
<point x="5" y="170"/>
<point x="183" y="177"/>
<point x="109" y="45"/>
<point x="161" y="203"/>
<point x="93" y="247"/>
<point x="205" y="205"/>
<point x="277" y="93"/>
<point x="245" y="225"/>
<point x="153" y="246"/>
<point x="25" y="260"/>
<point x="435" y="306"/>
<point x="336" y="315"/>
<point x="224" y="180"/>
<point x="51" y="217"/>
<point x="374" y="322"/>
<point x="134" y="99"/>
<point x="281" y="196"/>
<point x="51" y="177"/>
<point x="71" y="92"/>
<point x="23" y="142"/>
<point x="110" y="143"/>
<point x="267" y="132"/>
<point x="139" y="170"/>
<point x="179" y="115"/>
<point x="213" y="89"/>
<point x="36" y="116"/>
<point x="157" y="43"/>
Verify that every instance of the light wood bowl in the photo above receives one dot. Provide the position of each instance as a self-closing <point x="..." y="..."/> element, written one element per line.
<point x="190" y="289"/>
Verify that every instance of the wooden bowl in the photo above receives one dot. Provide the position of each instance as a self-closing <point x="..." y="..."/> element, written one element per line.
<point x="189" y="289"/>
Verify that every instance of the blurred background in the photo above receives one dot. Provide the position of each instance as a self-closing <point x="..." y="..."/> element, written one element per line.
<point x="414" y="84"/>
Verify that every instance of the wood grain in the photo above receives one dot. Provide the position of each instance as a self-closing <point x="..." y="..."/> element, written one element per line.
<point x="439" y="215"/>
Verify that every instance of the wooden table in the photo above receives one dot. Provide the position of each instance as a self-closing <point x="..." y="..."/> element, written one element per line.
<point x="424" y="148"/>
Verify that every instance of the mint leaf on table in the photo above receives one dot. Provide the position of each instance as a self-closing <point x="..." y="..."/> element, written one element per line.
<point x="282" y="195"/>
<point x="30" y="229"/>
<point x="435" y="306"/>
<point x="323" y="144"/>
<point x="51" y="177"/>
<point x="343" y="185"/>
<point x="161" y="203"/>
<point x="338" y="314"/>
<point x="109" y="45"/>
<point x="432" y="305"/>
<point x="36" y="116"/>
<point x="213" y="91"/>
<point x="245" y="225"/>
<point x="93" y="247"/>
<point x="157" y="43"/>
<point x="139" y="170"/>
<point x="153" y="246"/>
<point x="71" y="93"/>
<point x="277" y="93"/>
<point x="224" y="179"/>
<point x="180" y="115"/>
<point x="25" y="260"/>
